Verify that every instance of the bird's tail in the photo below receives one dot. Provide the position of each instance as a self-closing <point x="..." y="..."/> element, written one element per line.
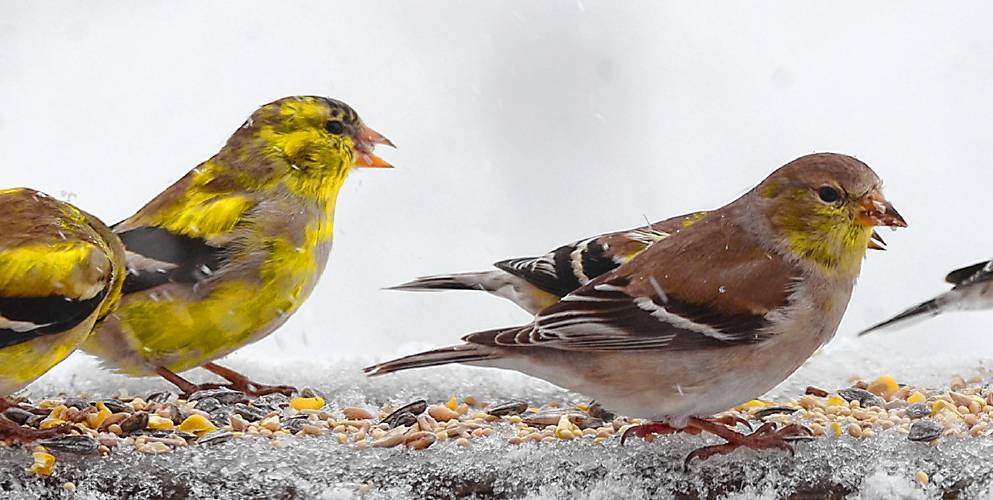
<point x="915" y="314"/>
<point x="464" y="353"/>
<point x="462" y="281"/>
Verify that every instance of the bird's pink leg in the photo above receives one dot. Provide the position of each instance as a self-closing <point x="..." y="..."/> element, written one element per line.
<point x="242" y="383"/>
<point x="649" y="429"/>
<point x="764" y="438"/>
<point x="10" y="431"/>
<point x="662" y="428"/>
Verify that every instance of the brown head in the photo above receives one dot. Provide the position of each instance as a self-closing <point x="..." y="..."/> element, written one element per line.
<point x="823" y="208"/>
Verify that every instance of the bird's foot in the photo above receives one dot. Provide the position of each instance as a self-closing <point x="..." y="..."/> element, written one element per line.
<point x="11" y="431"/>
<point x="765" y="437"/>
<point x="186" y="388"/>
<point x="649" y="430"/>
<point x="662" y="428"/>
<point x="730" y="421"/>
<point x="256" y="390"/>
<point x="236" y="382"/>
<point x="243" y="384"/>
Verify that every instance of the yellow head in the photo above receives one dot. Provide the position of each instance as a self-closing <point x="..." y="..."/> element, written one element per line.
<point x="310" y="142"/>
<point x="823" y="209"/>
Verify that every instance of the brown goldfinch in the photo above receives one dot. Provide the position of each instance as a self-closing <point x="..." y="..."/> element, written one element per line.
<point x="61" y="272"/>
<point x="534" y="283"/>
<point x="709" y="317"/>
<point x="228" y="253"/>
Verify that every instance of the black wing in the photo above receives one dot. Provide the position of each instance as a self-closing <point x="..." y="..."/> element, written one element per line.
<point x="168" y="258"/>
<point x="48" y="315"/>
<point x="568" y="267"/>
<point x="606" y="318"/>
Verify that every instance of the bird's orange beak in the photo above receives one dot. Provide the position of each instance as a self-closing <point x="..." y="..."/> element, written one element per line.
<point x="365" y="144"/>
<point x="876" y="242"/>
<point x="874" y="210"/>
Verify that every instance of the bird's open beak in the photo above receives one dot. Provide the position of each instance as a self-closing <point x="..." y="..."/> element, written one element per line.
<point x="365" y="144"/>
<point x="876" y="242"/>
<point x="874" y="210"/>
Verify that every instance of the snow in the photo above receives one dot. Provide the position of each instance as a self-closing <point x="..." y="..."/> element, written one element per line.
<point x="883" y="467"/>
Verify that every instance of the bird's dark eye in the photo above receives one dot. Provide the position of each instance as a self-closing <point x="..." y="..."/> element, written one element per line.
<point x="828" y="194"/>
<point x="335" y="127"/>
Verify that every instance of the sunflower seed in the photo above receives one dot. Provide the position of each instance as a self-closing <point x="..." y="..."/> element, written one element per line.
<point x="79" y="445"/>
<point x="414" y="409"/>
<point x="918" y="410"/>
<point x="215" y="437"/>
<point x="160" y="397"/>
<point x="507" y="409"/>
<point x="116" y="406"/>
<point x="134" y="423"/>
<point x="17" y="415"/>
<point x="925" y="430"/>
<point x="208" y="404"/>
<point x="250" y="413"/>
<point x="864" y="397"/>
<point x="223" y="395"/>
<point x="774" y="410"/>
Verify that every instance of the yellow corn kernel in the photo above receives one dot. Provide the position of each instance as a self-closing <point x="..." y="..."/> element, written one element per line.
<point x="58" y="412"/>
<point x="44" y="463"/>
<point x="837" y="401"/>
<point x="51" y="423"/>
<point x="94" y="420"/>
<point x="197" y="424"/>
<point x="941" y="404"/>
<point x="315" y="403"/>
<point x="452" y="404"/>
<point x="583" y="407"/>
<point x="755" y="403"/>
<point x="563" y="433"/>
<point x="160" y="423"/>
<point x="884" y="386"/>
<point x="916" y="397"/>
<point x="836" y="429"/>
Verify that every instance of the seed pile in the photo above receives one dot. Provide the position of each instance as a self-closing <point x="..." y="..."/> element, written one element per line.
<point x="162" y="422"/>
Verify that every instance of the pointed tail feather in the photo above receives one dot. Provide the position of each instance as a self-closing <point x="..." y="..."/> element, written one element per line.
<point x="917" y="313"/>
<point x="464" y="353"/>
<point x="462" y="281"/>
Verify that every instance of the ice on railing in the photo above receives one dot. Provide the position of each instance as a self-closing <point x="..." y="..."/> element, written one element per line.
<point x="881" y="467"/>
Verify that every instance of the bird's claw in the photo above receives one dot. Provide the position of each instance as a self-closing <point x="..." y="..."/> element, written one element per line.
<point x="11" y="431"/>
<point x="256" y="390"/>
<point x="649" y="429"/>
<point x="732" y="421"/>
<point x="765" y="437"/>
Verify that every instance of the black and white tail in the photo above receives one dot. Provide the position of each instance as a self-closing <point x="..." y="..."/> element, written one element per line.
<point x="464" y="353"/>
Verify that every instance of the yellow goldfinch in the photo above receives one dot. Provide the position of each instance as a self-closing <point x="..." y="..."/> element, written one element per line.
<point x="972" y="290"/>
<point x="61" y="272"/>
<point x="707" y="318"/>
<point x="224" y="256"/>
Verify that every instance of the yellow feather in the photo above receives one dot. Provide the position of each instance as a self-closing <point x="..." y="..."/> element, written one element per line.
<point x="40" y="270"/>
<point x="203" y="215"/>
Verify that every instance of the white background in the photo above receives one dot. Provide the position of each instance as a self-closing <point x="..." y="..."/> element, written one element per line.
<point x="522" y="125"/>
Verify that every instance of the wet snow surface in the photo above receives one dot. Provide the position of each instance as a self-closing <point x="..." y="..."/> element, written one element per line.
<point x="883" y="467"/>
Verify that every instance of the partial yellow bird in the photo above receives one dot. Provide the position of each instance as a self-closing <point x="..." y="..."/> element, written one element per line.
<point x="61" y="273"/>
<point x="228" y="253"/>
